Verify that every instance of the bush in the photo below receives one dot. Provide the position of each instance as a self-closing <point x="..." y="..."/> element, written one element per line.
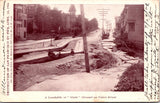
<point x="103" y="59"/>
<point x="132" y="79"/>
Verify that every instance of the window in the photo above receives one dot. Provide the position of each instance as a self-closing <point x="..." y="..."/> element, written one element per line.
<point x="132" y="26"/>
<point x="19" y="25"/>
<point x="25" y="24"/>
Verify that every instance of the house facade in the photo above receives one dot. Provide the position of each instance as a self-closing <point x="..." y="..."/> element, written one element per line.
<point x="131" y="23"/>
<point x="20" y="22"/>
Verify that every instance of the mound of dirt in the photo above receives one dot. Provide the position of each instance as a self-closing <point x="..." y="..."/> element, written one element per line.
<point x="132" y="79"/>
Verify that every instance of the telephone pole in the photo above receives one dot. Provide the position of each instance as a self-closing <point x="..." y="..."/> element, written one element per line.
<point x="84" y="39"/>
<point x="102" y="13"/>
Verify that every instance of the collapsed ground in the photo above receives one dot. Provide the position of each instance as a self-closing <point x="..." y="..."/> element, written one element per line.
<point x="102" y="62"/>
<point x="29" y="74"/>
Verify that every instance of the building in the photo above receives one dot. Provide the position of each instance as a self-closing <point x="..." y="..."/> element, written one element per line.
<point x="69" y="19"/>
<point x="31" y="12"/>
<point x="20" y="22"/>
<point x="131" y="23"/>
<point x="108" y="26"/>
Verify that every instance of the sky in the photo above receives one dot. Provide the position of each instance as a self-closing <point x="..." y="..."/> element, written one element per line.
<point x="92" y="11"/>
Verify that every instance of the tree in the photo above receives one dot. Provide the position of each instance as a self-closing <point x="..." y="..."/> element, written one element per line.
<point x="56" y="19"/>
<point x="78" y="24"/>
<point x="45" y="20"/>
<point x="93" y="24"/>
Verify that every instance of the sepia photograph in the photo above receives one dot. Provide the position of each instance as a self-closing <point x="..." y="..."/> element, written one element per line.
<point x="78" y="47"/>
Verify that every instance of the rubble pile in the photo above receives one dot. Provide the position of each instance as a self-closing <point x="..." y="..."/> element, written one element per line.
<point x="103" y="59"/>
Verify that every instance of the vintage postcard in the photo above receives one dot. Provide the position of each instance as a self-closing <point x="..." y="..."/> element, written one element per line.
<point x="79" y="51"/>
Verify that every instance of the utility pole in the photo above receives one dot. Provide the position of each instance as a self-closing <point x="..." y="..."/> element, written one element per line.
<point x="84" y="39"/>
<point x="102" y="13"/>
